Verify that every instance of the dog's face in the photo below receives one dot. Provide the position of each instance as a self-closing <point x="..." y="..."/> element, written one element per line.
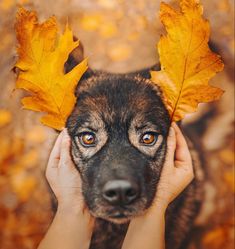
<point x="118" y="129"/>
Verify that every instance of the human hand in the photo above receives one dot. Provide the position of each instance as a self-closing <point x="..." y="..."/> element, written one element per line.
<point x="63" y="177"/>
<point x="177" y="171"/>
<point x="72" y="225"/>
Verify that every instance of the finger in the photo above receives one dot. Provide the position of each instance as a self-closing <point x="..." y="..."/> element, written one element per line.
<point x="171" y="145"/>
<point x="182" y="153"/>
<point x="55" y="153"/>
<point x="65" y="158"/>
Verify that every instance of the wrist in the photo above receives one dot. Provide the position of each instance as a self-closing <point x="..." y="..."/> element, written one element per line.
<point x="70" y="204"/>
<point x="162" y="204"/>
<point x="65" y="208"/>
<point x="159" y="206"/>
<point x="75" y="214"/>
<point x="72" y="209"/>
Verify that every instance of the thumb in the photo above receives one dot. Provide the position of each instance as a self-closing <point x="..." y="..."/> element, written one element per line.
<point x="171" y="146"/>
<point x="55" y="153"/>
<point x="65" y="158"/>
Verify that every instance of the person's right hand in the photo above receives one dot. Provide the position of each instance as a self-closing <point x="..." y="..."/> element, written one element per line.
<point x="72" y="225"/>
<point x="62" y="175"/>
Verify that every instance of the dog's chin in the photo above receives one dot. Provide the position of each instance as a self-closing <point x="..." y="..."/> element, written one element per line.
<point x="118" y="220"/>
<point x="117" y="214"/>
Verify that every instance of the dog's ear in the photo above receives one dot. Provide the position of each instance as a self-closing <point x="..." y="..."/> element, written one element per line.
<point x="145" y="73"/>
<point x="75" y="57"/>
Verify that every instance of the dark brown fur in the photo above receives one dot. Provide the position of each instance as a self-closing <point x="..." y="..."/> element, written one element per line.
<point x="110" y="104"/>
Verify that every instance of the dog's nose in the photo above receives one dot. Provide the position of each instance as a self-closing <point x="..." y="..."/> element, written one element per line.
<point x="120" y="192"/>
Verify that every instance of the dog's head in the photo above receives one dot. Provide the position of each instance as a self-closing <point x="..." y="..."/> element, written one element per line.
<point x="118" y="128"/>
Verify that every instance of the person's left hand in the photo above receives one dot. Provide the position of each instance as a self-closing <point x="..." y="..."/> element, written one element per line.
<point x="148" y="230"/>
<point x="177" y="171"/>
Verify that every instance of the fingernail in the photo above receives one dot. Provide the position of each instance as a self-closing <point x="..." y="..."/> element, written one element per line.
<point x="171" y="132"/>
<point x="65" y="131"/>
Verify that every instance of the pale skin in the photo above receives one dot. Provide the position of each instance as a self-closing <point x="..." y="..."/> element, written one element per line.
<point x="73" y="225"/>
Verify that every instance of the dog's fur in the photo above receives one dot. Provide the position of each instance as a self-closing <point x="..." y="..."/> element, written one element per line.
<point x="119" y="109"/>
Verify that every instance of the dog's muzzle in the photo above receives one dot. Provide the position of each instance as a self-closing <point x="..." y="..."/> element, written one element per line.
<point x="120" y="192"/>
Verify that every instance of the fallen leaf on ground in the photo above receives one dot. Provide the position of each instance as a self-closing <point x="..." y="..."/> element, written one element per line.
<point x="227" y="156"/>
<point x="218" y="237"/>
<point x="23" y="185"/>
<point x="5" y="117"/>
<point x="230" y="180"/>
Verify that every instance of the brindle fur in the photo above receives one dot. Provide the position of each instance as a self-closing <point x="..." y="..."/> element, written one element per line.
<point x="111" y="104"/>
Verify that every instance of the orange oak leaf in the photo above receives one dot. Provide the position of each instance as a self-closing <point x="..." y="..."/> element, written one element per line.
<point x="187" y="63"/>
<point x="42" y="55"/>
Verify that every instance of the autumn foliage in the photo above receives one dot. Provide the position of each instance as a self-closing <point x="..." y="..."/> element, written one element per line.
<point x="118" y="36"/>
<point x="187" y="63"/>
<point x="42" y="55"/>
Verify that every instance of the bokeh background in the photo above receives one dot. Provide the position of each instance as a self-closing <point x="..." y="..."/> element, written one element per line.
<point x="118" y="36"/>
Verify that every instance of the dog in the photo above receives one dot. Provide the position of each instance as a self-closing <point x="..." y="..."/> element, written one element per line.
<point x="118" y="129"/>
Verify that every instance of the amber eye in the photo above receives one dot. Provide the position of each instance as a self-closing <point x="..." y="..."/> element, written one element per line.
<point x="87" y="139"/>
<point x="149" y="138"/>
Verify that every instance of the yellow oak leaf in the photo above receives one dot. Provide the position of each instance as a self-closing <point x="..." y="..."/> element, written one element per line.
<point x="42" y="54"/>
<point x="187" y="63"/>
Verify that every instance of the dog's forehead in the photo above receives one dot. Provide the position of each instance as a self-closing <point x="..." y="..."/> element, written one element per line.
<point x="118" y="94"/>
<point x="116" y="101"/>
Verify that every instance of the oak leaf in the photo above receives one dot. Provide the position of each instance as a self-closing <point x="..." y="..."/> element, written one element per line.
<point x="187" y="63"/>
<point x="42" y="55"/>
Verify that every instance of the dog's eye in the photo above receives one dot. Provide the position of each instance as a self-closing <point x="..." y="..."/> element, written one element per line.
<point x="87" y="139"/>
<point x="149" y="138"/>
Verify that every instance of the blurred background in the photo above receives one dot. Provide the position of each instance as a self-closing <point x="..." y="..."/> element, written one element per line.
<point x="118" y="36"/>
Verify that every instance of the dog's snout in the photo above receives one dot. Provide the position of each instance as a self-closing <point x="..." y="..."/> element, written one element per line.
<point x="121" y="192"/>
